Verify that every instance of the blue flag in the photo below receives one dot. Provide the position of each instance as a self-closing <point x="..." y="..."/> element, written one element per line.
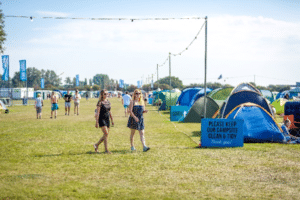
<point x="77" y="80"/>
<point x="121" y="83"/>
<point x="220" y="77"/>
<point x="42" y="83"/>
<point x="5" y="66"/>
<point x="138" y="84"/>
<point x="23" y="75"/>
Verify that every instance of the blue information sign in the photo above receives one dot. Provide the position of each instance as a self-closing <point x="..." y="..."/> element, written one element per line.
<point x="178" y="113"/>
<point x="23" y="76"/>
<point x="222" y="133"/>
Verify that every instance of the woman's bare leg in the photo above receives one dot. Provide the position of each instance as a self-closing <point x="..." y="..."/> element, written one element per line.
<point x="131" y="137"/>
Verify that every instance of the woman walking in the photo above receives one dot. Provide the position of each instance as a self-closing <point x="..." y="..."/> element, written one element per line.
<point x="102" y="119"/>
<point x="136" y="118"/>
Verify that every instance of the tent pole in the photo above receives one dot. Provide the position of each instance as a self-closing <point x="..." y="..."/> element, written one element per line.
<point x="205" y="66"/>
<point x="170" y="75"/>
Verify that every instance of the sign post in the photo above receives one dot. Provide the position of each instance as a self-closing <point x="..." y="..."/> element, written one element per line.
<point x="222" y="133"/>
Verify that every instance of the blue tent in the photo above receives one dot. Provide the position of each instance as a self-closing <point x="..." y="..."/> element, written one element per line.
<point x="259" y="125"/>
<point x="198" y="95"/>
<point x="241" y="97"/>
<point x="187" y="95"/>
<point x="243" y="87"/>
<point x="268" y="95"/>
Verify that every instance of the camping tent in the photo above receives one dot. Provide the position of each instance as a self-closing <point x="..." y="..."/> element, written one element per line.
<point x="268" y="95"/>
<point x="196" y="113"/>
<point x="220" y="95"/>
<point x="241" y="97"/>
<point x="198" y="95"/>
<point x="243" y="87"/>
<point x="168" y="99"/>
<point x="279" y="105"/>
<point x="259" y="125"/>
<point x="186" y="96"/>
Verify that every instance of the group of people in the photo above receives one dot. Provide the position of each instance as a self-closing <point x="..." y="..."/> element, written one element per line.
<point x="135" y="107"/>
<point x="54" y="104"/>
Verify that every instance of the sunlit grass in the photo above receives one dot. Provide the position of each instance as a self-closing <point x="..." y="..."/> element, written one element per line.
<point x="54" y="159"/>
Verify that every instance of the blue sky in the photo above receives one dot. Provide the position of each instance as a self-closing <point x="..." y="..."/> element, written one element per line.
<point x="247" y="40"/>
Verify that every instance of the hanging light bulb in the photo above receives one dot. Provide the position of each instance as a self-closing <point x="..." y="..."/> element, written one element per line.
<point x="31" y="18"/>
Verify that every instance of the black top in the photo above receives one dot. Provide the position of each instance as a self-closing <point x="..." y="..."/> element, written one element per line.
<point x="68" y="97"/>
<point x="104" y="113"/>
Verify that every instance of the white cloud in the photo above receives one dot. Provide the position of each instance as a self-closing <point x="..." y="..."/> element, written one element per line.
<point x="237" y="46"/>
<point x="52" y="14"/>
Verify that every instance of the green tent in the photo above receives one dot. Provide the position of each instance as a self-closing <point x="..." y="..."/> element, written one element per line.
<point x="196" y="113"/>
<point x="168" y="99"/>
<point x="279" y="105"/>
<point x="220" y="95"/>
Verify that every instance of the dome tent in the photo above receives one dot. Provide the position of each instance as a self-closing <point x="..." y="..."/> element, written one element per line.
<point x="186" y="96"/>
<point x="196" y="113"/>
<point x="198" y="95"/>
<point x="259" y="125"/>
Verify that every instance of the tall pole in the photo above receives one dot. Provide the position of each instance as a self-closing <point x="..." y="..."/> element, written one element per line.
<point x="157" y="76"/>
<point x="170" y="74"/>
<point x="205" y="67"/>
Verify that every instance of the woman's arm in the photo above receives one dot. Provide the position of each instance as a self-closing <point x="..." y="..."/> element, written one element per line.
<point x="97" y="115"/>
<point x="112" y="120"/>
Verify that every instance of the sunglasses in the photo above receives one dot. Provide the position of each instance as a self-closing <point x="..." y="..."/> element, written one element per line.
<point x="137" y="93"/>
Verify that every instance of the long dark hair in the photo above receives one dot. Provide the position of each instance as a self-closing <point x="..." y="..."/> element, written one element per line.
<point x="101" y="98"/>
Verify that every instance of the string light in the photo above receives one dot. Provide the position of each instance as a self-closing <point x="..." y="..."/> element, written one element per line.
<point x="101" y="19"/>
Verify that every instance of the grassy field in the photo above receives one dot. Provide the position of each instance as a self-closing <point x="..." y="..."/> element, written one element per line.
<point x="55" y="159"/>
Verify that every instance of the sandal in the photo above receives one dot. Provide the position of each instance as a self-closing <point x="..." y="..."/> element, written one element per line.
<point x="95" y="147"/>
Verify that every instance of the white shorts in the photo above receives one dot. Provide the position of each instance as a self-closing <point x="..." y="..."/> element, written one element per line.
<point x="68" y="104"/>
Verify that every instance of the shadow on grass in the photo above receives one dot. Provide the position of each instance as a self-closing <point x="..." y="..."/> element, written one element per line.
<point x="196" y="134"/>
<point x="83" y="153"/>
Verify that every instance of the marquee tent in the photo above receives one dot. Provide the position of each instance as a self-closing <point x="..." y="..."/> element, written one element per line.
<point x="196" y="113"/>
<point x="259" y="125"/>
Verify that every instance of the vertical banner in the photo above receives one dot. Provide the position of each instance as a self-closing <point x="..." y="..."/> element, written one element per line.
<point x="77" y="80"/>
<point x="23" y="76"/>
<point x="5" y="66"/>
<point x="42" y="83"/>
<point x="141" y="83"/>
<point x="121" y="83"/>
<point x="152" y="84"/>
<point x="138" y="84"/>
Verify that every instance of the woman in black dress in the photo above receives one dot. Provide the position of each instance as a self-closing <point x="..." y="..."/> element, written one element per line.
<point x="102" y="119"/>
<point x="136" y="119"/>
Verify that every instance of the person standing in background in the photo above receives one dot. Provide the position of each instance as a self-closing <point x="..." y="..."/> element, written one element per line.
<point x="38" y="106"/>
<point x="68" y="99"/>
<point x="126" y="101"/>
<point x="76" y="98"/>
<point x="54" y="104"/>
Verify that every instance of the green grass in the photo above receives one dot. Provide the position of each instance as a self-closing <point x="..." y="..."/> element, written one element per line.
<point x="54" y="159"/>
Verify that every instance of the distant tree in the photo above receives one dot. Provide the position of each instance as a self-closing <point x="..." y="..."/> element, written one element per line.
<point x="85" y="81"/>
<point x="33" y="77"/>
<point x="2" y="33"/>
<point x="51" y="78"/>
<point x="131" y="88"/>
<point x="175" y="82"/>
<point x="96" y="88"/>
<point x="90" y="82"/>
<point x="68" y="82"/>
<point x="16" y="82"/>
<point x="102" y="80"/>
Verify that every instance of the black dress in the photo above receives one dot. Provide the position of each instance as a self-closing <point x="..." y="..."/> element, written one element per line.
<point x="104" y="113"/>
